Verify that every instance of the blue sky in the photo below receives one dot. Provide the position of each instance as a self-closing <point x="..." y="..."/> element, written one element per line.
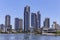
<point x="15" y="8"/>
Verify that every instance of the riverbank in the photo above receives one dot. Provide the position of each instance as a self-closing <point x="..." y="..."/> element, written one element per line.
<point x="45" y="34"/>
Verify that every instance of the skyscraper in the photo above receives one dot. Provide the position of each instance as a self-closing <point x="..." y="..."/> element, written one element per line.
<point x="47" y="22"/>
<point x="17" y="24"/>
<point x="26" y="18"/>
<point x="20" y="23"/>
<point x="34" y="21"/>
<point x="38" y="20"/>
<point x="7" y="23"/>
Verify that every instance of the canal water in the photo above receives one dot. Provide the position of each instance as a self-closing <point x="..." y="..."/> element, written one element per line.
<point x="27" y="37"/>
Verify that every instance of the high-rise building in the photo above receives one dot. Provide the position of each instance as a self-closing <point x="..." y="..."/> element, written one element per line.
<point x="2" y="27"/>
<point x="38" y="20"/>
<point x="20" y="23"/>
<point x="17" y="24"/>
<point x="26" y="18"/>
<point x="47" y="22"/>
<point x="34" y="21"/>
<point x="55" y="25"/>
<point x="7" y="23"/>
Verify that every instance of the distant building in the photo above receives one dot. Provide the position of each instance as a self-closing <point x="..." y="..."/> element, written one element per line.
<point x="7" y="23"/>
<point x="20" y="24"/>
<point x="34" y="21"/>
<point x="38" y="20"/>
<point x="47" y="22"/>
<point x="55" y="25"/>
<point x="10" y="28"/>
<point x="26" y="18"/>
<point x="17" y="28"/>
<point x="2" y="27"/>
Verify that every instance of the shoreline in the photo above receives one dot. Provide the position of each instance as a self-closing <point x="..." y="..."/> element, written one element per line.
<point x="35" y="34"/>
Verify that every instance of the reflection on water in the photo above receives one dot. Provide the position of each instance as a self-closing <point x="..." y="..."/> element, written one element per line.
<point x="35" y="37"/>
<point x="27" y="37"/>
